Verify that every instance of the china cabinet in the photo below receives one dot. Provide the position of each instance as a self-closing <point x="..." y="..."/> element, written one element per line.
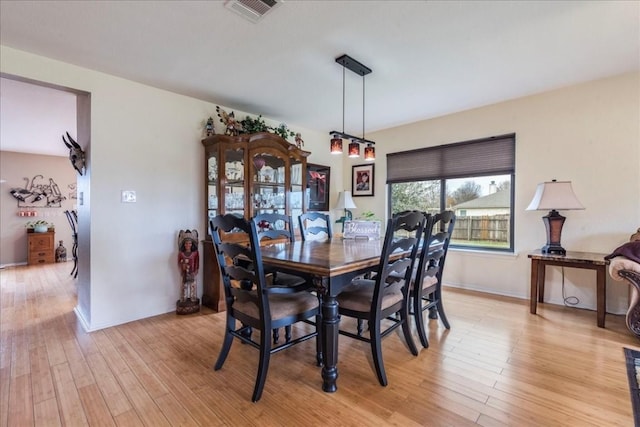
<point x="247" y="175"/>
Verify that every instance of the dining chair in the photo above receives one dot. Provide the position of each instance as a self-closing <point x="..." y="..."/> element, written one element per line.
<point x="385" y="297"/>
<point x="256" y="303"/>
<point x="428" y="294"/>
<point x="278" y="227"/>
<point x="315" y="226"/>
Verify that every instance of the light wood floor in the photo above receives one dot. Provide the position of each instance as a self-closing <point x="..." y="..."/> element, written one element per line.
<point x="498" y="365"/>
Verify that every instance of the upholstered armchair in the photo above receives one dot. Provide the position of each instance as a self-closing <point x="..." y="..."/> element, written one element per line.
<point x="625" y="266"/>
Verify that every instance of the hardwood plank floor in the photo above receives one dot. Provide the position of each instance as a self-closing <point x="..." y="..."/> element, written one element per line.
<point x="497" y="366"/>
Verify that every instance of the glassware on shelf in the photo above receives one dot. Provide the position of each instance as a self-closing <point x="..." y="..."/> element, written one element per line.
<point x="296" y="174"/>
<point x="296" y="199"/>
<point x="234" y="201"/>
<point x="279" y="200"/>
<point x="267" y="200"/>
<point x="213" y="169"/>
<point x="213" y="201"/>
<point x="234" y="171"/>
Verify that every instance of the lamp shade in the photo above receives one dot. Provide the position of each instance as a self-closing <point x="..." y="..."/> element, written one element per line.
<point x="354" y="149"/>
<point x="369" y="153"/>
<point x="554" y="195"/>
<point x="336" y="145"/>
<point x="345" y="201"/>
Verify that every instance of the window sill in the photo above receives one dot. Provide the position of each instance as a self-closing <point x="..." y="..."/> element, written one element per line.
<point x="483" y="252"/>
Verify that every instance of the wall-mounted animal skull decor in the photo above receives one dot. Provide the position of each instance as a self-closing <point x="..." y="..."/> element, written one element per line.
<point x="76" y="154"/>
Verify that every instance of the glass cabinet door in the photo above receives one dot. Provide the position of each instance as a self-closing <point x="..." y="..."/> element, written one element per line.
<point x="213" y="207"/>
<point x="296" y="195"/>
<point x="234" y="197"/>
<point x="268" y="179"/>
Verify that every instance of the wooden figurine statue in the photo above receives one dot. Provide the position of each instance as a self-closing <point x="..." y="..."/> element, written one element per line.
<point x="209" y="127"/>
<point x="231" y="125"/>
<point x="189" y="263"/>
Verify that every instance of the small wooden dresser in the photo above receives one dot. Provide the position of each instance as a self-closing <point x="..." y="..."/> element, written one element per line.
<point x="41" y="248"/>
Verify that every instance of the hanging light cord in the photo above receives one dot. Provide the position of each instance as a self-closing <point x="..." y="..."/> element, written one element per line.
<point x="363" y="107"/>
<point x="343" y="99"/>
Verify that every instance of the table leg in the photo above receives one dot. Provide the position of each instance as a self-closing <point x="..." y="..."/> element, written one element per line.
<point x="533" y="298"/>
<point x="601" y="295"/>
<point x="331" y="324"/>
<point x="542" y="270"/>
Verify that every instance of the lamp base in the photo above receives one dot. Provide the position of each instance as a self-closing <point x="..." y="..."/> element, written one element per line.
<point x="553" y="249"/>
<point x="553" y="223"/>
<point x="348" y="216"/>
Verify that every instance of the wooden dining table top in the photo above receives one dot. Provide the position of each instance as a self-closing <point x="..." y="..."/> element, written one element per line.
<point x="327" y="258"/>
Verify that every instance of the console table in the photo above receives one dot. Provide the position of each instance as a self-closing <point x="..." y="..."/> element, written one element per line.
<point x="587" y="260"/>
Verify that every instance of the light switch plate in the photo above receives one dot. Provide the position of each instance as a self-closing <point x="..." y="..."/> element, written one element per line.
<point x="128" y="196"/>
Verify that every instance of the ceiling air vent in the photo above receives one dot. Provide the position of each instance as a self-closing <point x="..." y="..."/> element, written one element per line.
<point x="253" y="10"/>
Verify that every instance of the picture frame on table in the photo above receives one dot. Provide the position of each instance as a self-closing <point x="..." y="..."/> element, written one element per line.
<point x="362" y="180"/>
<point x="318" y="181"/>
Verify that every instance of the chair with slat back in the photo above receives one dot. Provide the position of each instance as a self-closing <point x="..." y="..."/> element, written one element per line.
<point x="315" y="226"/>
<point x="428" y="295"/>
<point x="278" y="228"/>
<point x="385" y="297"/>
<point x="252" y="301"/>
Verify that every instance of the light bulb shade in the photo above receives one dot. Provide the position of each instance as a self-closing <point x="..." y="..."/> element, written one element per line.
<point x="556" y="195"/>
<point x="336" y="145"/>
<point x="369" y="153"/>
<point x="345" y="201"/>
<point x="354" y="149"/>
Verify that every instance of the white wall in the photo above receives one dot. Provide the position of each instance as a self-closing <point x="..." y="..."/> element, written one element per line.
<point x="588" y="134"/>
<point x="147" y="140"/>
<point x="38" y="169"/>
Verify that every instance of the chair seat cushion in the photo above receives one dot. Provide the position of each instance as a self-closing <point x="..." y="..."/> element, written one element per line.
<point x="427" y="282"/>
<point x="281" y="305"/>
<point x="287" y="280"/>
<point x="358" y="296"/>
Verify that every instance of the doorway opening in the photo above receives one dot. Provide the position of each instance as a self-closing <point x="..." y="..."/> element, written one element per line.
<point x="82" y="135"/>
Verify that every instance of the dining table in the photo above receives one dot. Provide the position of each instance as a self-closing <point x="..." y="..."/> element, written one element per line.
<point x="331" y="265"/>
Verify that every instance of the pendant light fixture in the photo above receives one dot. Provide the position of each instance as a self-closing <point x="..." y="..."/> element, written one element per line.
<point x="336" y="141"/>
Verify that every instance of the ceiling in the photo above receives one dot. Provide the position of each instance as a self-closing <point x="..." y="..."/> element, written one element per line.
<point x="429" y="58"/>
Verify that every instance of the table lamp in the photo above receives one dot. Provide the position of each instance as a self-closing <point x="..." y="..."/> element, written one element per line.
<point x="345" y="202"/>
<point x="554" y="195"/>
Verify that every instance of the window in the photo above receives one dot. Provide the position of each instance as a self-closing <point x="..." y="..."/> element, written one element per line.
<point x="472" y="178"/>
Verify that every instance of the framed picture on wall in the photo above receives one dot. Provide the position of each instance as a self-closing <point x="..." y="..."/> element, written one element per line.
<point x="318" y="178"/>
<point x="362" y="180"/>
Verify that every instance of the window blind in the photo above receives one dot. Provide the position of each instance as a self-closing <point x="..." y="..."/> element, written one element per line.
<point x="487" y="156"/>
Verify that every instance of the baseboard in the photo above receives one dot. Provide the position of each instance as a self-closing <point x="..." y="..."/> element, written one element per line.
<point x="12" y="264"/>
<point x="519" y="296"/>
<point x="83" y="321"/>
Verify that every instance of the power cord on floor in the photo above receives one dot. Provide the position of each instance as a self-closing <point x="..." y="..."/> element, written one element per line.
<point x="568" y="301"/>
